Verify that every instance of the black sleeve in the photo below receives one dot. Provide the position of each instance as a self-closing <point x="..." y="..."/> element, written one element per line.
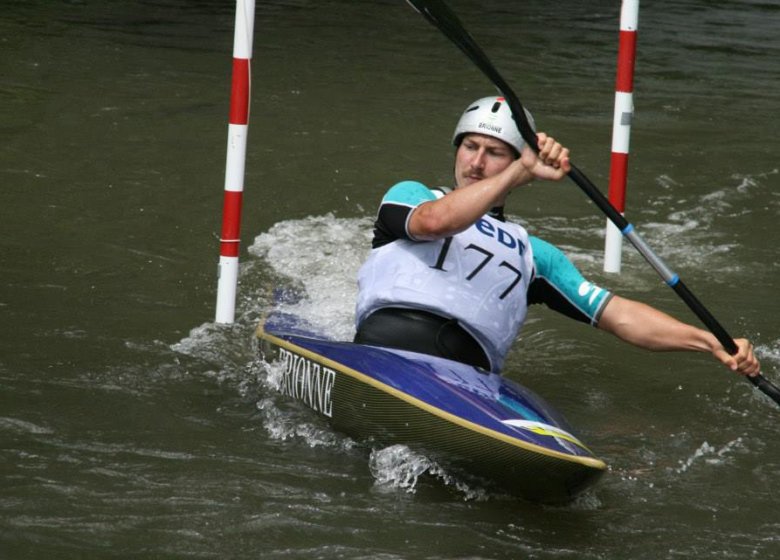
<point x="390" y="224"/>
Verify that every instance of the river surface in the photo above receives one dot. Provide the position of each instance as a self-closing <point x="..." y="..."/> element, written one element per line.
<point x="132" y="426"/>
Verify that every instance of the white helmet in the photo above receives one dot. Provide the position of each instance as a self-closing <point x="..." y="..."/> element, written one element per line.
<point x="493" y="117"/>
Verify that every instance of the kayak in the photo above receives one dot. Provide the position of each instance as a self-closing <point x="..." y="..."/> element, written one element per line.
<point x="479" y="425"/>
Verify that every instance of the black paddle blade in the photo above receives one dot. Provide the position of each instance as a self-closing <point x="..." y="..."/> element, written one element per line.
<point x="445" y="20"/>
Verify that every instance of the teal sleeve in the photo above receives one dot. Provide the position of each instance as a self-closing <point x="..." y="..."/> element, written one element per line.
<point x="408" y="193"/>
<point x="559" y="284"/>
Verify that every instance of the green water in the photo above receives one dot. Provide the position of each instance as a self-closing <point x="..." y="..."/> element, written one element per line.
<point x="130" y="426"/>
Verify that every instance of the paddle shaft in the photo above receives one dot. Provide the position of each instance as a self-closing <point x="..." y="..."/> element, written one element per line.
<point x="438" y="14"/>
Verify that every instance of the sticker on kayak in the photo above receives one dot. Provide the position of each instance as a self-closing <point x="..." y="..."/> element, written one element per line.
<point x="307" y="381"/>
<point x="545" y="430"/>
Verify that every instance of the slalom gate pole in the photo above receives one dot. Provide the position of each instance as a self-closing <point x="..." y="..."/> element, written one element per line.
<point x="621" y="129"/>
<point x="235" y="162"/>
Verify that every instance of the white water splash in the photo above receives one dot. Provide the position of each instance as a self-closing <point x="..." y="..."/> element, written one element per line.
<point x="751" y="182"/>
<point x="685" y="229"/>
<point x="399" y="468"/>
<point x="272" y="374"/>
<point x="323" y="254"/>
<point x="769" y="353"/>
<point x="286" y="425"/>
<point x="710" y="455"/>
<point x="284" y="419"/>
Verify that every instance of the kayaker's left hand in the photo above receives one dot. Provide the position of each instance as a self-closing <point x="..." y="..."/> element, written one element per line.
<point x="743" y="362"/>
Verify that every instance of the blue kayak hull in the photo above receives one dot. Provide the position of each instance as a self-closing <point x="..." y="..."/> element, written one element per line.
<point x="480" y="425"/>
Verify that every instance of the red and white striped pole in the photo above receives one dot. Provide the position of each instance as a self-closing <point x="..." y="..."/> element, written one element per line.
<point x="621" y="129"/>
<point x="234" y="166"/>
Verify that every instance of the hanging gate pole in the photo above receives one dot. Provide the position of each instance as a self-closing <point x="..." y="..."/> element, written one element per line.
<point x="621" y="129"/>
<point x="235" y="162"/>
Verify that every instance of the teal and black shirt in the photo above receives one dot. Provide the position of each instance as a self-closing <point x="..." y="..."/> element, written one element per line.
<point x="484" y="277"/>
<point x="556" y="282"/>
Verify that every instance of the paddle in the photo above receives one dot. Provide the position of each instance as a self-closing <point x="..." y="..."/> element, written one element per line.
<point x="437" y="12"/>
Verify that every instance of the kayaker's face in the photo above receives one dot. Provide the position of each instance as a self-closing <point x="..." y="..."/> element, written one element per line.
<point x="479" y="157"/>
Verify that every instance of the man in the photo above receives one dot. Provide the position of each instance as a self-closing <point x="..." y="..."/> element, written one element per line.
<point x="448" y="276"/>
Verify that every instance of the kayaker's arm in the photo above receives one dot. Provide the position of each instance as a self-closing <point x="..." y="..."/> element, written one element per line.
<point x="459" y="209"/>
<point x="476" y="191"/>
<point x="647" y="327"/>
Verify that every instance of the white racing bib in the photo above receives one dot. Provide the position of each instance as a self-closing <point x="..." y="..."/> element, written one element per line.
<point x="479" y="277"/>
